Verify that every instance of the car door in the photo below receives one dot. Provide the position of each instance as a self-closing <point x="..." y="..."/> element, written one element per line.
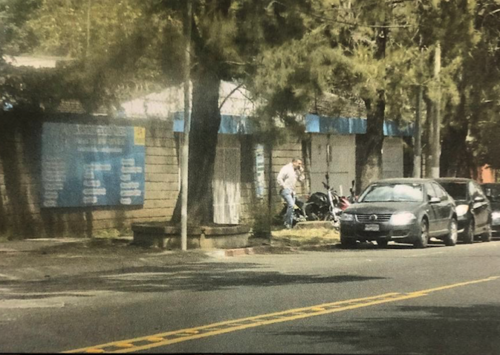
<point x="432" y="209"/>
<point x="444" y="208"/>
<point x="480" y="205"/>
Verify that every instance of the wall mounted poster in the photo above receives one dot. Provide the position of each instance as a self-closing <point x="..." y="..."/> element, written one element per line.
<point x="92" y="165"/>
<point x="259" y="171"/>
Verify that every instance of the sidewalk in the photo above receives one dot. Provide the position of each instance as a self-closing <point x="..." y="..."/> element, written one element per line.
<point x="42" y="259"/>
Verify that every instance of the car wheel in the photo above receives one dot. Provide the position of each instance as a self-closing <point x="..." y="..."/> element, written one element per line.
<point x="451" y="238"/>
<point x="423" y="238"/>
<point x="486" y="236"/>
<point x="469" y="233"/>
<point x="382" y="243"/>
<point x="347" y="242"/>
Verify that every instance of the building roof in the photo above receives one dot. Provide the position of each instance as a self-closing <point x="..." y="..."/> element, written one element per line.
<point x="333" y="114"/>
<point x="237" y="105"/>
<point x="354" y="125"/>
<point x="235" y="101"/>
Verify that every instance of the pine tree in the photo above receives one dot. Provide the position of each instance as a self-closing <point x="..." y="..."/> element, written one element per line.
<point x="119" y="46"/>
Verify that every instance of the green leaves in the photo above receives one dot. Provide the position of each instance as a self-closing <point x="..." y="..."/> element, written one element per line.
<point x="287" y="52"/>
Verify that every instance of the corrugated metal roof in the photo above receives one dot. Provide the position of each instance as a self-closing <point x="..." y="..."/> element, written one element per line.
<point x="231" y="124"/>
<point x="237" y="106"/>
<point x="343" y="125"/>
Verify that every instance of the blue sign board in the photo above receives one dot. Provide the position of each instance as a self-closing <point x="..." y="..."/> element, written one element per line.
<point x="92" y="165"/>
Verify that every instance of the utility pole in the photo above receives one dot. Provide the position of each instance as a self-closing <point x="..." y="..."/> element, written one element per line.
<point x="436" y="122"/>
<point x="187" y="126"/>
<point x="270" y="184"/>
<point x="417" y="160"/>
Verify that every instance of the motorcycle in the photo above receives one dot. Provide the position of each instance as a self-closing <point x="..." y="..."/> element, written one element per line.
<point x="320" y="206"/>
<point x="327" y="206"/>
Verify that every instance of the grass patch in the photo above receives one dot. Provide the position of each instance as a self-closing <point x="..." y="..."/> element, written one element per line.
<point x="307" y="236"/>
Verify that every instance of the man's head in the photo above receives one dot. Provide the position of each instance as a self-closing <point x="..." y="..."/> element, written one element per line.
<point x="297" y="163"/>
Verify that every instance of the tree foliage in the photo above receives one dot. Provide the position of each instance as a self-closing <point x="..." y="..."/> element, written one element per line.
<point x="118" y="46"/>
<point x="286" y="52"/>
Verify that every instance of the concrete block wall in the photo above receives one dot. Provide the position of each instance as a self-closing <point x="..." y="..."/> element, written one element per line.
<point x="21" y="215"/>
<point x="255" y="211"/>
<point x="161" y="183"/>
<point x="282" y="154"/>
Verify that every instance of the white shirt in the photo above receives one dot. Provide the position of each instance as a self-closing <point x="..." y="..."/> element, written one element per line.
<point x="288" y="176"/>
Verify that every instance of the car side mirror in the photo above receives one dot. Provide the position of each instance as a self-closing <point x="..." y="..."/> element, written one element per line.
<point x="434" y="200"/>
<point x="479" y="199"/>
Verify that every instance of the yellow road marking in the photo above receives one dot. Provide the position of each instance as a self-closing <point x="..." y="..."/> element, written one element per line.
<point x="155" y="339"/>
<point x="125" y="345"/>
<point x="457" y="285"/>
<point x="177" y="336"/>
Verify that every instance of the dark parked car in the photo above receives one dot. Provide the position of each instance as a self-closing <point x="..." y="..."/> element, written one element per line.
<point x="401" y="210"/>
<point x="492" y="192"/>
<point x="473" y="208"/>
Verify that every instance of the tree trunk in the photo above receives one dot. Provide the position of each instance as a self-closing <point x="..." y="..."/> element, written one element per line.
<point x="372" y="168"/>
<point x="428" y="138"/>
<point x="454" y="149"/>
<point x="373" y="142"/>
<point x="436" y="122"/>
<point x="205" y="122"/>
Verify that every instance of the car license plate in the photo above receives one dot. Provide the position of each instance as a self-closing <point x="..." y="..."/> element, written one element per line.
<point x="372" y="227"/>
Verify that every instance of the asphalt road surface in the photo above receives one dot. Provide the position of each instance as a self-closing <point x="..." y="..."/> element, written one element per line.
<point x="438" y="300"/>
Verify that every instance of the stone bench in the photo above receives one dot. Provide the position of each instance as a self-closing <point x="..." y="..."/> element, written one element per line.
<point x="160" y="234"/>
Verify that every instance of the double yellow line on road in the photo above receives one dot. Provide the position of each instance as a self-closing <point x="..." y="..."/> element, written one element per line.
<point x="177" y="336"/>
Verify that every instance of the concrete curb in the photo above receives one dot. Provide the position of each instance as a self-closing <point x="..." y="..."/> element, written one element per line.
<point x="275" y="249"/>
<point x="34" y="245"/>
<point x="268" y="249"/>
<point x="238" y="252"/>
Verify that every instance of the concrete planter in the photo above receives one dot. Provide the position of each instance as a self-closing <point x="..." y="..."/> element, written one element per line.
<point x="166" y="236"/>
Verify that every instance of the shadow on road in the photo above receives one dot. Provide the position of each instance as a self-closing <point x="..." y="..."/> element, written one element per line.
<point x="204" y="276"/>
<point x="416" y="330"/>
<point x="433" y="244"/>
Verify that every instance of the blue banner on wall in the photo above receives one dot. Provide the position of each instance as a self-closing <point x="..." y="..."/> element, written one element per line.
<point x="91" y="165"/>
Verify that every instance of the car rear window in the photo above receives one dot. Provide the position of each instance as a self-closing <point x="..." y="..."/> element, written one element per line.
<point x="393" y="193"/>
<point x="456" y="190"/>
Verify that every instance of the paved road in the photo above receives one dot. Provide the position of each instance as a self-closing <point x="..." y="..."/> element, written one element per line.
<point x="398" y="300"/>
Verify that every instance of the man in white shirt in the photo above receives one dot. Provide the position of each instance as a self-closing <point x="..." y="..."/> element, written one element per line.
<point x="287" y="178"/>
